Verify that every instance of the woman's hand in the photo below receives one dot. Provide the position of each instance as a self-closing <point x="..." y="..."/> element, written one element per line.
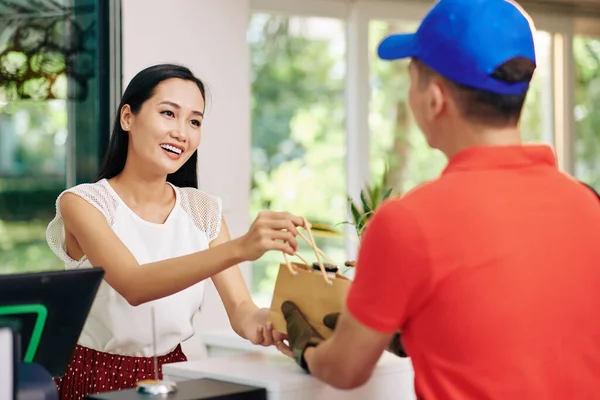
<point x="266" y="233"/>
<point x="259" y="330"/>
<point x="270" y="231"/>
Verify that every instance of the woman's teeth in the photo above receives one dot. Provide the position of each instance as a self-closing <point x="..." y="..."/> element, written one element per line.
<point x="171" y="149"/>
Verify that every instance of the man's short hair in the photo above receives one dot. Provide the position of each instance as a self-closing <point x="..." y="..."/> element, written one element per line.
<point x="486" y="107"/>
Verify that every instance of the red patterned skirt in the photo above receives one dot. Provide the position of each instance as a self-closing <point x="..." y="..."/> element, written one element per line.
<point x="91" y="372"/>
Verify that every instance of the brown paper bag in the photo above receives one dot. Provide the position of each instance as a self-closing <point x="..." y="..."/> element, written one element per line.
<point x="316" y="293"/>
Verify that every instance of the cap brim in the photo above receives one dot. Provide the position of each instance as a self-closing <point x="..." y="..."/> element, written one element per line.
<point x="397" y="46"/>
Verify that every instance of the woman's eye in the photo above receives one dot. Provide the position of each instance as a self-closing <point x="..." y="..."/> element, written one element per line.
<point x="196" y="123"/>
<point x="168" y="113"/>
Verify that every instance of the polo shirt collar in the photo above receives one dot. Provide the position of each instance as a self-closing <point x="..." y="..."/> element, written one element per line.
<point x="501" y="157"/>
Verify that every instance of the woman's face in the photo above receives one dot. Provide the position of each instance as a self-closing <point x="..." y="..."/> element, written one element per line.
<point x="166" y="130"/>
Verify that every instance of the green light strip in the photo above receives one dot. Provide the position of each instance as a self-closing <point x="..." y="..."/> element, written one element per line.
<point x="38" y="328"/>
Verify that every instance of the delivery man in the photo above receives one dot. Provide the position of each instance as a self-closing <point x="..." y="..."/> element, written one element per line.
<point x="491" y="271"/>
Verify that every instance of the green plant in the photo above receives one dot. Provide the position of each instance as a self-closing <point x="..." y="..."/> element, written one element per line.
<point x="370" y="199"/>
<point x="324" y="230"/>
<point x="361" y="211"/>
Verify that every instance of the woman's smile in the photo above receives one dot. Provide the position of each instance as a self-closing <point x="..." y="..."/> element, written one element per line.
<point x="173" y="151"/>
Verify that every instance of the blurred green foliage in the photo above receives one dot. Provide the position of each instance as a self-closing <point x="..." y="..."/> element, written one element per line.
<point x="298" y="117"/>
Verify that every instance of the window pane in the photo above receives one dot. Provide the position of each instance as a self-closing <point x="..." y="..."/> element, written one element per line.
<point x="537" y="119"/>
<point x="49" y="95"/>
<point x="587" y="103"/>
<point x="396" y="141"/>
<point x="298" y="133"/>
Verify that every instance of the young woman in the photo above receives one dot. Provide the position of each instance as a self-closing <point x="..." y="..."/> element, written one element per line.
<point x="158" y="238"/>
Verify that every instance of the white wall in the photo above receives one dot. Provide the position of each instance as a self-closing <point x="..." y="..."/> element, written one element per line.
<point x="209" y="37"/>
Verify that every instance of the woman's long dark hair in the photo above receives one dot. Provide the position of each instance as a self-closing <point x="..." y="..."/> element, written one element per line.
<point x="140" y="89"/>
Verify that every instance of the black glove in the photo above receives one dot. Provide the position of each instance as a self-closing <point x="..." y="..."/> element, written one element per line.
<point x="395" y="346"/>
<point x="300" y="334"/>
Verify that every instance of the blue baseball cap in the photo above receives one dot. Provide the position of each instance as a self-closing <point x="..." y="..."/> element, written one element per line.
<point x="466" y="40"/>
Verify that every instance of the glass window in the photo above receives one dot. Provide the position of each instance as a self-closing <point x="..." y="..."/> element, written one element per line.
<point x="395" y="139"/>
<point x="537" y="119"/>
<point x="52" y="95"/>
<point x="586" y="51"/>
<point x="298" y="132"/>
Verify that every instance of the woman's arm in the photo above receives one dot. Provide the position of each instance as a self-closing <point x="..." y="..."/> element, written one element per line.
<point x="270" y="231"/>
<point x="232" y="288"/>
<point x="247" y="320"/>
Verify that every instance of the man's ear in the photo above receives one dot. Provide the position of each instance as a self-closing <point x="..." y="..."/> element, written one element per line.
<point x="437" y="99"/>
<point x="126" y="117"/>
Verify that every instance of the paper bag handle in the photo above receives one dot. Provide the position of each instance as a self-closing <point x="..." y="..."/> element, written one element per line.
<point x="318" y="252"/>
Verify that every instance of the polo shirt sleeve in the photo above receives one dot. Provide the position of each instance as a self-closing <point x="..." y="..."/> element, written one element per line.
<point x="393" y="272"/>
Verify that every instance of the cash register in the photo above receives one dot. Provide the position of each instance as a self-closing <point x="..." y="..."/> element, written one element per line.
<point x="41" y="316"/>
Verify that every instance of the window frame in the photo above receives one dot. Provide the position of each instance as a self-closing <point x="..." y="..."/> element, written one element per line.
<point x="109" y="67"/>
<point x="88" y="120"/>
<point x="358" y="15"/>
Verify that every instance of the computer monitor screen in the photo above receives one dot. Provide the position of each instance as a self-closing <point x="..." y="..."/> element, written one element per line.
<point x="48" y="310"/>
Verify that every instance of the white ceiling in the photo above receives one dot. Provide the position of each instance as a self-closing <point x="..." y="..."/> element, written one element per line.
<point x="579" y="7"/>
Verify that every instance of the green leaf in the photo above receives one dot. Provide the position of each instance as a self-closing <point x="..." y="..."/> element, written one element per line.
<point x="366" y="206"/>
<point x="384" y="176"/>
<point x="345" y="223"/>
<point x="324" y="230"/>
<point x="387" y="194"/>
<point x="365" y="218"/>
<point x="375" y="197"/>
<point x="356" y="215"/>
<point x="371" y="198"/>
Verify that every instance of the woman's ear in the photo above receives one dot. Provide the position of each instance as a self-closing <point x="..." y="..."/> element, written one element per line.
<point x="125" y="117"/>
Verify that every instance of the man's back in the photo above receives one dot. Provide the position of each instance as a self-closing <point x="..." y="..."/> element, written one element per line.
<point x="514" y="277"/>
<point x="493" y="270"/>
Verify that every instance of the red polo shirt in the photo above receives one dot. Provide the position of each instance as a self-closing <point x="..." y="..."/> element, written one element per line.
<point x="492" y="271"/>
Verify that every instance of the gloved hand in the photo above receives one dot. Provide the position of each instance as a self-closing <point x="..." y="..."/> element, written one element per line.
<point x="300" y="334"/>
<point x="395" y="346"/>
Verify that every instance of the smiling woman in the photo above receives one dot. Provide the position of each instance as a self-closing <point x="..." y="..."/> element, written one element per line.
<point x="175" y="151"/>
<point x="158" y="238"/>
<point x="155" y="112"/>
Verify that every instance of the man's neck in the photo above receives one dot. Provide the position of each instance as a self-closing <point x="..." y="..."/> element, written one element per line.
<point x="477" y="135"/>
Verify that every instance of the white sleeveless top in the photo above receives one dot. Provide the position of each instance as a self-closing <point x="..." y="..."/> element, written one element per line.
<point x="113" y="325"/>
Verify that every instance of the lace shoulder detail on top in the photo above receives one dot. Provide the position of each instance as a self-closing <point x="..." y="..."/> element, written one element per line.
<point x="98" y="195"/>
<point x="205" y="210"/>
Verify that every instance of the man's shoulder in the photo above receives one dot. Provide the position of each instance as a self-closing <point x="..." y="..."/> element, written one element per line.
<point x="402" y="212"/>
<point x="405" y="205"/>
<point x="421" y="194"/>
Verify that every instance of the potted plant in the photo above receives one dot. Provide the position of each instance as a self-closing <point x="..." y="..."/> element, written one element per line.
<point x="370" y="199"/>
<point x="361" y="211"/>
